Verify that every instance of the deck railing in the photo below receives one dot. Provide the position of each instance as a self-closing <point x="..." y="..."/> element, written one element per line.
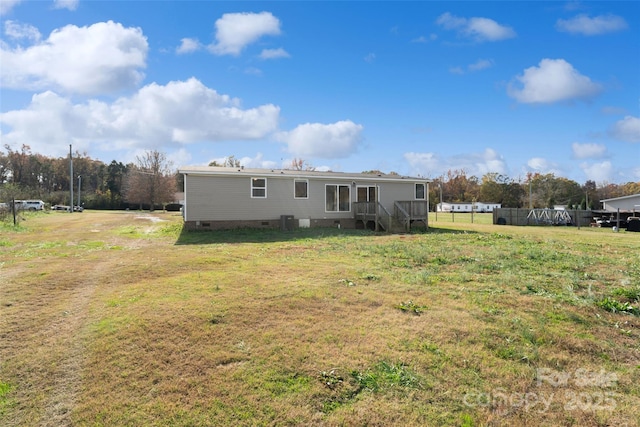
<point x="402" y="216"/>
<point x="404" y="212"/>
<point x="416" y="209"/>
<point x="367" y="209"/>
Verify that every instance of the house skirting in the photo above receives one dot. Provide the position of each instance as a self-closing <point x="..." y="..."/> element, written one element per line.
<point x="348" y="223"/>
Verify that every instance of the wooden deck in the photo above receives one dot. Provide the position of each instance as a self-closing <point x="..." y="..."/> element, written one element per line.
<point x="404" y="214"/>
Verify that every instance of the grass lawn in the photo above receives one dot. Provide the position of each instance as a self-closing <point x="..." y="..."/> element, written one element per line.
<point x="122" y="318"/>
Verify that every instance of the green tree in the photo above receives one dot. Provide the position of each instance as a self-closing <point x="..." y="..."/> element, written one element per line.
<point x="459" y="188"/>
<point x="501" y="189"/>
<point x="491" y="188"/>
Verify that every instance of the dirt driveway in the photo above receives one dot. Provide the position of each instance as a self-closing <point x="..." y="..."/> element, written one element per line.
<point x="49" y="273"/>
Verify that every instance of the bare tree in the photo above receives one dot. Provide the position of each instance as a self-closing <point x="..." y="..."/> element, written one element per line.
<point x="150" y="180"/>
<point x="229" y="162"/>
<point x="298" y="164"/>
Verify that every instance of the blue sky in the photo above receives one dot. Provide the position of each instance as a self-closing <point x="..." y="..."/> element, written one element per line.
<point x="418" y="88"/>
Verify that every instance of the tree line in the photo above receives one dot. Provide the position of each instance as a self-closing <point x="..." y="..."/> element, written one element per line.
<point x="536" y="190"/>
<point x="147" y="183"/>
<point x="150" y="183"/>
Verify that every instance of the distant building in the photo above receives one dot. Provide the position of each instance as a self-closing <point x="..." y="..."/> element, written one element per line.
<point x="477" y="207"/>
<point x="625" y="203"/>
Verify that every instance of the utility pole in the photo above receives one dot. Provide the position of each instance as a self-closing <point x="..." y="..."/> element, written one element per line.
<point x="586" y="204"/>
<point x="79" y="185"/>
<point x="70" y="180"/>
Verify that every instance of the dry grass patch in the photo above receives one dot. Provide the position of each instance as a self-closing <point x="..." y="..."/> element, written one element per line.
<point x="119" y="319"/>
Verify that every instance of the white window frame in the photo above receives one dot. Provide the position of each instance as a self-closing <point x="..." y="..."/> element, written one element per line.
<point x="295" y="181"/>
<point x="253" y="187"/>
<point x="369" y="187"/>
<point x="337" y="200"/>
<point x="424" y="191"/>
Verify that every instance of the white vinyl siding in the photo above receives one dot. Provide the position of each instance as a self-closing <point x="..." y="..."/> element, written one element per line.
<point x="223" y="197"/>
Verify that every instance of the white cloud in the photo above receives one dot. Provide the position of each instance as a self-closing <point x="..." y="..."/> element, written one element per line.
<point x="451" y="22"/>
<point x="102" y="58"/>
<point x="178" y="113"/>
<point x="611" y="110"/>
<point x="553" y="80"/>
<point x="588" y="151"/>
<point x="188" y="45"/>
<point x="627" y="129"/>
<point x="598" y="172"/>
<point x="573" y="5"/>
<point x="234" y="31"/>
<point x="329" y="141"/>
<point x="482" y="163"/>
<point x="480" y="64"/>
<point x="425" y="164"/>
<point x="274" y="53"/>
<point x="18" y="31"/>
<point x="7" y="5"/>
<point x="179" y="157"/>
<point x="253" y="71"/>
<point x="543" y="166"/>
<point x="475" y="164"/>
<point x="258" y="162"/>
<point x="249" y="162"/>
<point x="583" y="24"/>
<point x="370" y="57"/>
<point x="66" y="4"/>
<point x="423" y="39"/>
<point x="476" y="28"/>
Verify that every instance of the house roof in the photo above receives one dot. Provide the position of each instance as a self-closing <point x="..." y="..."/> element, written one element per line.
<point x="621" y="198"/>
<point x="241" y="171"/>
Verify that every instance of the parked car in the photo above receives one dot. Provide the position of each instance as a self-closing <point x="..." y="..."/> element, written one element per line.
<point x="66" y="208"/>
<point x="30" y="205"/>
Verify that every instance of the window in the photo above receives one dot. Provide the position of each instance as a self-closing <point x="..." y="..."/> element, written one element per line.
<point x="366" y="194"/>
<point x="259" y="188"/>
<point x="301" y="189"/>
<point x="420" y="192"/>
<point x="337" y="198"/>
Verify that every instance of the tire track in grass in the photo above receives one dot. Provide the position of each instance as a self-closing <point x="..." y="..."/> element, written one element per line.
<point x="69" y="330"/>
<point x="44" y="346"/>
<point x="67" y="381"/>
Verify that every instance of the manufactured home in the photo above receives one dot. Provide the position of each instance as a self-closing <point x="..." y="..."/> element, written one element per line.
<point x="467" y="207"/>
<point x="626" y="203"/>
<point x="226" y="197"/>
